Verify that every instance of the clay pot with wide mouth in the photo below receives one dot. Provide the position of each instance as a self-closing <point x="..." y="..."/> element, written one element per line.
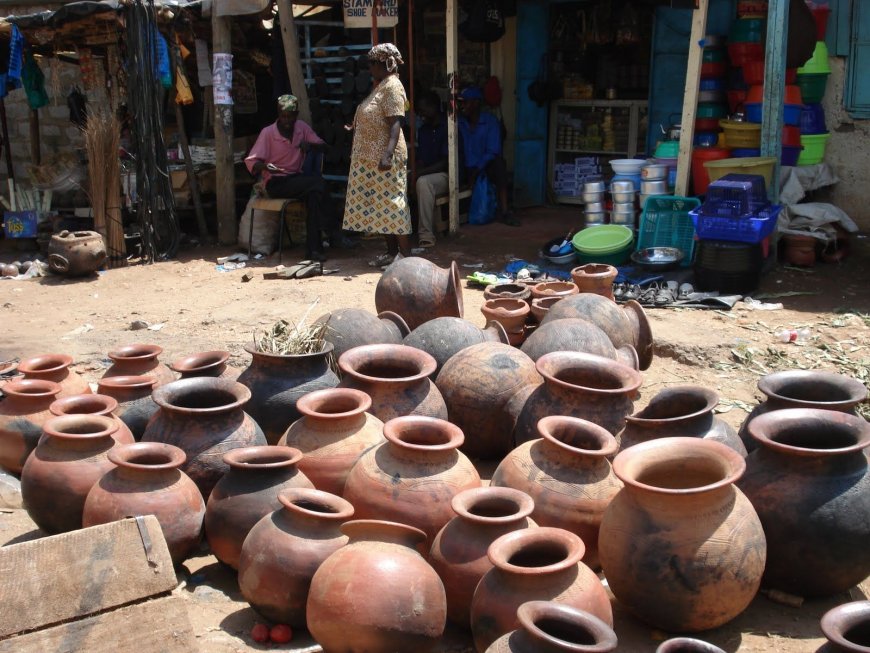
<point x="847" y="626"/>
<point x="540" y="306"/>
<point x="419" y="291"/>
<point x="687" y="645"/>
<point x="353" y="327"/>
<point x="549" y="627"/>
<point x="138" y="360"/>
<point x="510" y="313"/>
<point x="508" y="291"/>
<point x="575" y="334"/>
<point x="92" y="404"/>
<point x="55" y="367"/>
<point x="595" y="278"/>
<point x="23" y="413"/>
<point x="206" y="363"/>
<point x="136" y="406"/>
<point x="554" y="289"/>
<point x="444" y="337"/>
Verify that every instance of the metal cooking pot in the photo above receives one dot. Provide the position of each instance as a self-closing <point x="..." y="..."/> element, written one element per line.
<point x="622" y="208"/>
<point x="594" y="187"/>
<point x="623" y="197"/>
<point x="593" y="197"/>
<point x="622" y="218"/>
<point x="654" y="171"/>
<point x="594" y="207"/>
<point x="622" y="187"/>
<point x="594" y="218"/>
<point x="657" y="187"/>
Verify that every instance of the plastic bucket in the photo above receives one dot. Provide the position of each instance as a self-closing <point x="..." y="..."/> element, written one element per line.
<point x="791" y="136"/>
<point x="820" y="15"/>
<point x="741" y="134"/>
<point x="790" y="155"/>
<point x="747" y="30"/>
<point x="813" y="119"/>
<point x="713" y="69"/>
<point x="709" y="139"/>
<point x="814" y="148"/>
<point x="812" y="86"/>
<point x="742" y="53"/>
<point x="758" y="165"/>
<point x="753" y="73"/>
<point x="745" y="152"/>
<point x="818" y="63"/>
<point x="670" y="149"/>
<point x="700" y="155"/>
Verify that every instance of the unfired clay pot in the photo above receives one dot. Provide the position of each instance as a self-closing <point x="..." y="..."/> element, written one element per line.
<point x="575" y="334"/>
<point x="91" y="404"/>
<point x="139" y="360"/>
<point x="136" y="407"/>
<point x="419" y="291"/>
<point x="352" y="327"/>
<point x="76" y="253"/>
<point x="508" y="290"/>
<point x="554" y="289"/>
<point x="55" y="367"/>
<point x="443" y="337"/>
<point x="549" y="627"/>
<point x="595" y="278"/>
<point x="23" y="412"/>
<point x="206" y="363"/>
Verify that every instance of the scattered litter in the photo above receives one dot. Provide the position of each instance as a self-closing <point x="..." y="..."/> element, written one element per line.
<point x="787" y="293"/>
<point x="793" y="335"/>
<point x="258" y="256"/>
<point x="229" y="265"/>
<point x="247" y="276"/>
<point x="472" y="265"/>
<point x="347" y="279"/>
<point x="524" y="275"/>
<point x="238" y="257"/>
<point x="138" y="325"/>
<point x="80" y="330"/>
<point x="330" y="270"/>
<point x="10" y="491"/>
<point x="778" y="596"/>
<point x="755" y="305"/>
<point x="156" y="327"/>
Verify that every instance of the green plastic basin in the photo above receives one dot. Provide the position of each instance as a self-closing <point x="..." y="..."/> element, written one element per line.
<point x="603" y="240"/>
<point x="817" y="64"/>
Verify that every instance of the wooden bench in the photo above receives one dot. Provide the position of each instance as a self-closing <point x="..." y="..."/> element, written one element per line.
<point x="442" y="224"/>
<point x="293" y="208"/>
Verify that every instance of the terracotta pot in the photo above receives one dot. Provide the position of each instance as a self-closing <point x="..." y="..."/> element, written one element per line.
<point x="554" y="289"/>
<point x="361" y="596"/>
<point x="247" y="493"/>
<point x="285" y="548"/>
<point x="91" y="404"/>
<point x="135" y="404"/>
<point x="508" y="291"/>
<point x="55" y="367"/>
<point x="530" y="565"/>
<point x="353" y="327"/>
<point x="396" y="377"/>
<point x="574" y="334"/>
<point x="147" y="480"/>
<point x="809" y="482"/>
<point x="590" y="387"/>
<point x="847" y="626"/>
<point x="477" y="384"/>
<point x="595" y="278"/>
<point x="458" y="552"/>
<point x="64" y="466"/>
<point x="333" y="432"/>
<point x="510" y="313"/>
<point x="687" y="645"/>
<point x="23" y="412"/>
<point x="568" y="476"/>
<point x="800" y="250"/>
<point x="443" y="337"/>
<point x="139" y="360"/>
<point x="205" y="418"/>
<point x="276" y="382"/>
<point x="420" y="291"/>
<point x="548" y="627"/>
<point x="412" y="477"/>
<point x="206" y="363"/>
<point x="76" y="253"/>
<point x="685" y="549"/>
<point x="542" y="305"/>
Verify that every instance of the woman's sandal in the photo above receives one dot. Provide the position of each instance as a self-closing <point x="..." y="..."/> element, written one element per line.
<point x="382" y="259"/>
<point x="426" y="242"/>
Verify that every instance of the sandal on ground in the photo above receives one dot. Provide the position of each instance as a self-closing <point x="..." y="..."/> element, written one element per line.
<point x="382" y="259"/>
<point x="685" y="290"/>
<point x="664" y="296"/>
<point x="426" y="242"/>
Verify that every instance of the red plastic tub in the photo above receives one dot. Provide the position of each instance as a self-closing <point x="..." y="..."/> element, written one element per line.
<point x="753" y="73"/>
<point x="741" y="52"/>
<point x="736" y="100"/>
<point x="700" y="176"/>
<point x="791" y="136"/>
<point x="820" y="15"/>
<point x="714" y="70"/>
<point x="707" y="125"/>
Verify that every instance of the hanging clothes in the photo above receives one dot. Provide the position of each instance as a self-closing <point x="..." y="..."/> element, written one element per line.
<point x="34" y="82"/>
<point x="16" y="59"/>
<point x="164" y="71"/>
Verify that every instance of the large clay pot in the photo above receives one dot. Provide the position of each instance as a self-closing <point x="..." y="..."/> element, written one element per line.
<point x="595" y="278"/>
<point x="412" y="477"/>
<point x="508" y="291"/>
<point x="136" y="406"/>
<point x="809" y="482"/>
<point x="76" y="253"/>
<point x="510" y="313"/>
<point x="247" y="493"/>
<point x="377" y="594"/>
<point x="353" y="327"/>
<point x="139" y="360"/>
<point x="529" y="565"/>
<point x="458" y="552"/>
<point x="680" y="411"/>
<point x="687" y="645"/>
<point x="147" y="480"/>
<point x="55" y="367"/>
<point x="477" y="385"/>
<point x="91" y="404"/>
<point x="548" y="627"/>
<point x="444" y="337"/>
<point x="554" y="289"/>
<point x="590" y="387"/>
<point x="276" y="382"/>
<point x="682" y="547"/>
<point x="205" y="418"/>
<point x="396" y="377"/>
<point x="847" y="626"/>
<point x="333" y="432"/>
<point x="285" y="548"/>
<point x="206" y="363"/>
<point x="66" y="463"/>
<point x="575" y="334"/>
<point x="23" y="412"/>
<point x="568" y="476"/>
<point x="419" y="291"/>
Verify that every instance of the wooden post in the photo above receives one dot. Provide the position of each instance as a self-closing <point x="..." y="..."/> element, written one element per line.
<point x="774" y="89"/>
<point x="35" y="149"/>
<point x="690" y="97"/>
<point x="291" y="57"/>
<point x="6" y="144"/>
<point x="225" y="176"/>
<point x="412" y="114"/>
<point x="452" y="125"/>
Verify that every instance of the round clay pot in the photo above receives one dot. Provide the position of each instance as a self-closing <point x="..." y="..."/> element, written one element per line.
<point x="412" y="477"/>
<point x="641" y="332"/>
<point x="247" y="493"/>
<point x="541" y="306"/>
<point x="529" y="565"/>
<point x="477" y="384"/>
<point x="76" y="253"/>
<point x="136" y="407"/>
<point x="548" y="627"/>
<point x="847" y="626"/>
<point x="396" y="377"/>
<point x="575" y="334"/>
<point x="66" y="463"/>
<point x="284" y="549"/>
<point x="568" y="476"/>
<point x="554" y="289"/>
<point x="139" y="360"/>
<point x="91" y="404"/>
<point x="510" y="313"/>
<point x="361" y="596"/>
<point x="147" y="480"/>
<point x="595" y="278"/>
<point x="687" y="645"/>
<point x="800" y="250"/>
<point x="23" y="412"/>
<point x="353" y="327"/>
<point x="419" y="291"/>
<point x="205" y="418"/>
<point x="508" y="291"/>
<point x="276" y="382"/>
<point x="685" y="549"/>
<point x="206" y="363"/>
<point x="443" y="337"/>
<point x="809" y="482"/>
<point x="55" y="367"/>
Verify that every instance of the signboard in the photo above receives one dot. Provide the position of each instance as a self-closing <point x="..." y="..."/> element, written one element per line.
<point x="358" y="13"/>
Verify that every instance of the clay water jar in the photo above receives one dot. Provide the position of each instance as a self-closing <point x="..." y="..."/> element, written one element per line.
<point x="353" y="327"/>
<point x="419" y="291"/>
<point x="687" y="645"/>
<point x="540" y="306"/>
<point x="800" y="250"/>
<point x="595" y="278"/>
<point x="205" y="363"/>
<point x="508" y="291"/>
<point x="548" y="627"/>
<point x="92" y="404"/>
<point x="55" y="367"/>
<point x="685" y="549"/>
<point x="847" y="626"/>
<point x="554" y="289"/>
<point x="137" y="360"/>
<point x="23" y="412"/>
<point x="444" y="337"/>
<point x="575" y="334"/>
<point x="147" y="480"/>
<point x="510" y="313"/>
<point x="136" y="407"/>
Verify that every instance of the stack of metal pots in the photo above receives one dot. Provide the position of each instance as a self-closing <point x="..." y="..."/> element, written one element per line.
<point x="593" y="198"/>
<point x="623" y="211"/>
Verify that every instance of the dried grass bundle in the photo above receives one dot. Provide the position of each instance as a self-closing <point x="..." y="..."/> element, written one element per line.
<point x="286" y="338"/>
<point x="102" y="134"/>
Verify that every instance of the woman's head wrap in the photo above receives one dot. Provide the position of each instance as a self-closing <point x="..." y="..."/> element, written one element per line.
<point x="388" y="54"/>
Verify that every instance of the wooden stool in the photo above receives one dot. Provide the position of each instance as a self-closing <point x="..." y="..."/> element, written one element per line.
<point x="441" y="224"/>
<point x="280" y="206"/>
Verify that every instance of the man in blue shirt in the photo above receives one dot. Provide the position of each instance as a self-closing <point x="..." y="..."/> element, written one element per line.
<point x="431" y="164"/>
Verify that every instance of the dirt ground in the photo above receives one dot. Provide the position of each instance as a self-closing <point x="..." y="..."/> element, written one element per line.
<point x="202" y="308"/>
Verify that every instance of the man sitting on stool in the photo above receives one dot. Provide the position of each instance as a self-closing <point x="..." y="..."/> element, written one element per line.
<point x="432" y="165"/>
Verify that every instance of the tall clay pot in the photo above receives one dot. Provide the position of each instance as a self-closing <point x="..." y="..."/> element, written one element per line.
<point x="334" y="431"/>
<point x="687" y="645"/>
<point x="458" y="552"/>
<point x="276" y="382"/>
<point x="205" y="418"/>
<point x="575" y="334"/>
<point x="377" y="594"/>
<point x="682" y="547"/>
<point x="443" y="337"/>
<point x="412" y="477"/>
<point x="347" y="328"/>
<point x="285" y="548"/>
<point x="420" y="291"/>
<point x="138" y="360"/>
<point x="810" y="483"/>
<point x="568" y="476"/>
<point x="847" y="626"/>
<point x="205" y="363"/>
<point x="247" y="493"/>
<point x="92" y="404"/>
<point x="595" y="278"/>
<point x="554" y="289"/>
<point x="147" y="480"/>
<point x="23" y="412"/>
<point x="548" y="627"/>
<point x="55" y="367"/>
<point x="136" y="406"/>
<point x="529" y="565"/>
<point x="396" y="378"/>
<point x="66" y="463"/>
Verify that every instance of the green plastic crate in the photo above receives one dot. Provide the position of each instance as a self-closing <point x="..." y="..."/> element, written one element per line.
<point x="665" y="222"/>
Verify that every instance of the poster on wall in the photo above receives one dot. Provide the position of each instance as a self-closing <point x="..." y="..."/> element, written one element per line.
<point x="222" y="76"/>
<point x="358" y="13"/>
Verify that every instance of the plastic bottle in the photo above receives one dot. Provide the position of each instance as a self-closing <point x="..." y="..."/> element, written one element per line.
<point x="793" y="335"/>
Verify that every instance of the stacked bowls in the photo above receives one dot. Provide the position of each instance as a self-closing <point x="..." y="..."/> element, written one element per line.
<point x="611" y="244"/>
<point x="593" y="200"/>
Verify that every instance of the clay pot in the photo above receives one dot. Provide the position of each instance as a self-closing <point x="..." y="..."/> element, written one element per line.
<point x="135" y="404"/>
<point x="353" y="327"/>
<point x="443" y="337"/>
<point x="800" y="250"/>
<point x="206" y="363"/>
<point x="554" y="289"/>
<point x="847" y="626"/>
<point x="590" y="387"/>
<point x="333" y="432"/>
<point x="687" y="645"/>
<point x="139" y="360"/>
<point x="205" y="418"/>
<point x="458" y="552"/>
<point x="93" y="405"/>
<point x="809" y="482"/>
<point x="541" y="306"/>
<point x="510" y="313"/>
<point x="146" y="480"/>
<point x="684" y="547"/>
<point x="396" y="377"/>
<point x="285" y="548"/>
<point x="247" y="493"/>
<point x="595" y="278"/>
<point x="508" y="291"/>
<point x="419" y="291"/>
<point x="66" y="463"/>
<point x="55" y="367"/>
<point x="477" y="384"/>
<point x="547" y="627"/>
<point x="276" y="382"/>
<point x="412" y="477"/>
<point x="529" y="565"/>
<point x="23" y="412"/>
<point x="680" y="411"/>
<point x="76" y="253"/>
<point x="361" y="597"/>
<point x="574" y="334"/>
<point x="568" y="476"/>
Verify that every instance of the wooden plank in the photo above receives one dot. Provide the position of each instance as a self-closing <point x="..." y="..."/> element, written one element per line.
<point x="76" y="574"/>
<point x="774" y="89"/>
<point x="291" y="56"/>
<point x="225" y="174"/>
<point x="452" y="126"/>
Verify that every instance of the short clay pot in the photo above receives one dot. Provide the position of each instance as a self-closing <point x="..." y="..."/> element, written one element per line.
<point x="548" y="627"/>
<point x="420" y="291"/>
<point x="139" y="360"/>
<point x="595" y="278"/>
<point x="353" y="327"/>
<point x="76" y="253"/>
<point x="510" y="313"/>
<point x="800" y="250"/>
<point x="23" y="412"/>
<point x="91" y="404"/>
<point x="554" y="289"/>
<point x="575" y="334"/>
<point x="687" y="645"/>
<point x="206" y="363"/>
<point x="847" y="626"/>
<point x="541" y="306"/>
<point x="508" y="291"/>
<point x="55" y="367"/>
<point x="444" y="337"/>
<point x="136" y="407"/>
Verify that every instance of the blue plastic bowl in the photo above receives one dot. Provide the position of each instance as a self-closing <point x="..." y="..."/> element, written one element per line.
<point x="706" y="139"/>
<point x="791" y="114"/>
<point x="712" y="85"/>
<point x="812" y="120"/>
<point x="790" y="154"/>
<point x="753" y="112"/>
<point x="745" y="152"/>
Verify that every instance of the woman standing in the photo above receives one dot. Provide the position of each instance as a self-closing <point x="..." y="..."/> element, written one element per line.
<point x="377" y="200"/>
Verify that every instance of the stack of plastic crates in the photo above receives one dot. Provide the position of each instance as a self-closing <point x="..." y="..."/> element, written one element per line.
<point x="665" y="222"/>
<point x="736" y="208"/>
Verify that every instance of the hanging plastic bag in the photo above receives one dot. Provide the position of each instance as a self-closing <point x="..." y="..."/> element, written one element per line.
<point x="483" y="201"/>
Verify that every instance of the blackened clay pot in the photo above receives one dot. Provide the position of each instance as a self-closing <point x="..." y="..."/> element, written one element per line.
<point x="353" y="327"/>
<point x="136" y="407"/>
<point x="419" y="290"/>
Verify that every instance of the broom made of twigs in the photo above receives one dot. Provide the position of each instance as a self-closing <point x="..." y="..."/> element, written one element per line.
<point x="102" y="142"/>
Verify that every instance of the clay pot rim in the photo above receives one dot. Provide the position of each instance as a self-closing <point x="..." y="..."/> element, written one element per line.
<point x="532" y="611"/>
<point x="548" y="289"/>
<point x="776" y="421"/>
<point x="30" y="365"/>
<point x="631" y="379"/>
<point x="509" y="544"/>
<point x="500" y="333"/>
<point x="128" y="381"/>
<point x="163" y="394"/>
<point x="520" y="289"/>
<point x="426" y="362"/>
<point x="244" y="458"/>
<point x="60" y="406"/>
<point x="675" y="644"/>
<point x="771" y="383"/>
<point x="120" y="456"/>
<point x="462" y="502"/>
<point x="504" y="306"/>
<point x="201" y="361"/>
<point x="393" y="532"/>
<point x="609" y="445"/>
<point x="627" y="355"/>
<point x="546" y="302"/>
<point x="138" y="351"/>
<point x="454" y="284"/>
<point x="711" y="397"/>
<point x="595" y="271"/>
<point x="395" y="428"/>
<point x="340" y="509"/>
<point x="644" y="343"/>
<point x="307" y="403"/>
<point x="840" y="619"/>
<point x="31" y="388"/>
<point x="251" y="348"/>
<point x="398" y="320"/>
<point x="54" y="427"/>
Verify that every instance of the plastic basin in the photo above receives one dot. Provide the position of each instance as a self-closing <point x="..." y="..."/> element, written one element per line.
<point x="790" y="154"/>
<point x="606" y="239"/>
<point x="741" y="134"/>
<point x="791" y="136"/>
<point x="627" y="166"/>
<point x="700" y="178"/>
<point x="812" y="86"/>
<point x="616" y="258"/>
<point x="756" y="165"/>
<point x="818" y="63"/>
<point x="742" y="53"/>
<point x="753" y="73"/>
<point x="736" y="99"/>
<point x="814" y="148"/>
<point x="710" y="110"/>
<point x="747" y="30"/>
<point x="670" y="149"/>
<point x="820" y="15"/>
<point x="707" y="139"/>
<point x="713" y="69"/>
<point x="813" y="119"/>
<point x="744" y="152"/>
<point x="791" y="114"/>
